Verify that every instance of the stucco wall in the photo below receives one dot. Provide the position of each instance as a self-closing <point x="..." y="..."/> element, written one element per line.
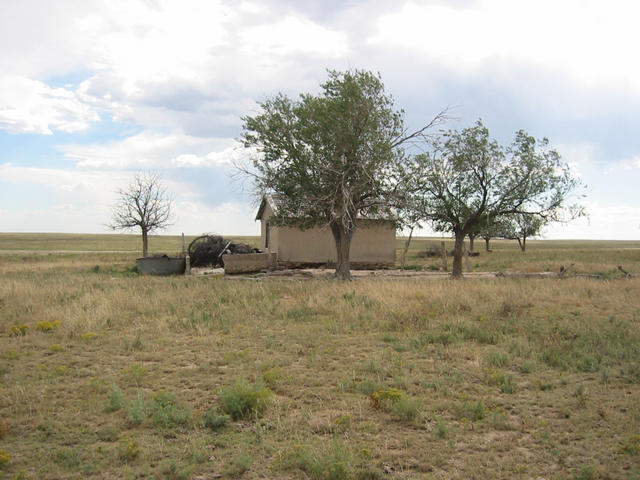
<point x="374" y="243"/>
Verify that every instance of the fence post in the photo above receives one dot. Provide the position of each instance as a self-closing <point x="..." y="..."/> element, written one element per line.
<point x="466" y="257"/>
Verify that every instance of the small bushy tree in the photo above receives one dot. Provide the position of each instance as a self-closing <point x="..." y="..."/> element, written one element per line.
<point x="522" y="226"/>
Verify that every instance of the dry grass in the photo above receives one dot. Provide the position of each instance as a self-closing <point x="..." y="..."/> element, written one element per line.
<point x="500" y="378"/>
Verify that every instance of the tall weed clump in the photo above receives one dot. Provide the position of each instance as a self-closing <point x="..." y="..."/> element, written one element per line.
<point x="243" y="401"/>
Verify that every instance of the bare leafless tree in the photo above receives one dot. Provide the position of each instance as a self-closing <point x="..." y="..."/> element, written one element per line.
<point x="144" y="203"/>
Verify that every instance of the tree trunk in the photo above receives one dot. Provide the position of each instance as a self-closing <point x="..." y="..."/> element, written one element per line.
<point x="342" y="237"/>
<point x="406" y="249"/>
<point x="458" y="251"/>
<point x="522" y="243"/>
<point x="486" y="244"/>
<point x="145" y="243"/>
<point x="471" y="239"/>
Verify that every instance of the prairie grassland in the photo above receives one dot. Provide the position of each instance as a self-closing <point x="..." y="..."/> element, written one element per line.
<point x="78" y="242"/>
<point x="108" y="374"/>
<point x="588" y="256"/>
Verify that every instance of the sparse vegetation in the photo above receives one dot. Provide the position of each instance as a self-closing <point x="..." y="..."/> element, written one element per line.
<point x="547" y="365"/>
<point x="244" y="401"/>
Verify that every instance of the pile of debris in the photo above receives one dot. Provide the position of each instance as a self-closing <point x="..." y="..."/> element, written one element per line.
<point x="207" y="250"/>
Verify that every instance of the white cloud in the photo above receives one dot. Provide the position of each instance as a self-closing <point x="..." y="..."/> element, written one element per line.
<point x="228" y="157"/>
<point x="604" y="222"/>
<point x="82" y="186"/>
<point x="590" y="41"/>
<point x="228" y="218"/>
<point x="149" y="150"/>
<point x="81" y="201"/>
<point x="31" y="106"/>
<point x="293" y="35"/>
<point x="628" y="163"/>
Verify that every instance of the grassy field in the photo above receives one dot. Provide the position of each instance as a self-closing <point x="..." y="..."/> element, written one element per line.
<point x="108" y="374"/>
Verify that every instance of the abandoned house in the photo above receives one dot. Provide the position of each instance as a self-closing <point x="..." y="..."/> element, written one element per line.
<point x="373" y="244"/>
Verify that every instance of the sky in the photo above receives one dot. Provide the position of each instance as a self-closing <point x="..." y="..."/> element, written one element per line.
<point x="93" y="91"/>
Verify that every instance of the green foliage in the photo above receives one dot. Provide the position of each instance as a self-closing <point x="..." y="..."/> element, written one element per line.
<point x="504" y="381"/>
<point x="406" y="409"/>
<point x="244" y="401"/>
<point x="497" y="359"/>
<point x="334" y="464"/>
<point x="441" y="430"/>
<point x="467" y="179"/>
<point x="137" y="410"/>
<point x="166" y="413"/>
<point x="350" y="135"/>
<point x="238" y="466"/>
<point x="172" y="470"/>
<point x="214" y="421"/>
<point x="473" y="411"/>
<point x="116" y="400"/>
<point x="585" y="472"/>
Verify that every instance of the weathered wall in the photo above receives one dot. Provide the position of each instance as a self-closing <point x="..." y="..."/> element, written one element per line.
<point x="247" y="262"/>
<point x="373" y="243"/>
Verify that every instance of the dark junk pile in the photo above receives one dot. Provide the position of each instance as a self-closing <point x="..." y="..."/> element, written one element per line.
<point x="208" y="250"/>
<point x="208" y="254"/>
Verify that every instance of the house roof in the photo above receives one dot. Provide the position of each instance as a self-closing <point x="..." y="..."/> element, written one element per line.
<point x="268" y="199"/>
<point x="274" y="200"/>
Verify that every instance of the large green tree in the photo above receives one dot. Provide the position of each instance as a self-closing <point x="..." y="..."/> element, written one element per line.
<point x="331" y="157"/>
<point x="467" y="178"/>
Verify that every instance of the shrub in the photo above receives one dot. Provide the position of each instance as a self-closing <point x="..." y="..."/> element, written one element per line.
<point x="335" y="464"/>
<point x="497" y="359"/>
<point x="586" y="472"/>
<point x="173" y="471"/>
<point x="406" y="410"/>
<point x="271" y="376"/>
<point x="441" y="427"/>
<point x="18" y="330"/>
<point x="214" y="421"/>
<point x="243" y="401"/>
<point x="46" y="326"/>
<point x="385" y="398"/>
<point x="115" y="401"/>
<point x="5" y="458"/>
<point x="165" y="412"/>
<point x="137" y="410"/>
<point x="471" y="411"/>
<point x="504" y="381"/>
<point x="128" y="450"/>
<point x="238" y="465"/>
